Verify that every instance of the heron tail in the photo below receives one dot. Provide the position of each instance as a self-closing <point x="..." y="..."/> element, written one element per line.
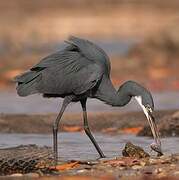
<point x="27" y="83"/>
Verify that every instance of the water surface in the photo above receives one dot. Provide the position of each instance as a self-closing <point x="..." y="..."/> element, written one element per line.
<point x="77" y="145"/>
<point x="10" y="102"/>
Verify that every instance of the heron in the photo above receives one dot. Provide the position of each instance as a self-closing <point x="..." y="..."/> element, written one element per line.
<point x="79" y="71"/>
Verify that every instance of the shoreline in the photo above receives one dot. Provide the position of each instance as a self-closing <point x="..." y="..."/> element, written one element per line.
<point x="106" y="122"/>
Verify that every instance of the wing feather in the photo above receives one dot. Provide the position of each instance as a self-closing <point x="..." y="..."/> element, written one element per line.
<point x="91" y="51"/>
<point x="64" y="72"/>
<point x="76" y="77"/>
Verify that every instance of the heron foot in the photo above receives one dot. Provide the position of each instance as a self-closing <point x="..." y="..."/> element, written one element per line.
<point x="101" y="157"/>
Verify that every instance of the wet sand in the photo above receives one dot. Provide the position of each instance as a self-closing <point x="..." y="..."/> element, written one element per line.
<point x="112" y="167"/>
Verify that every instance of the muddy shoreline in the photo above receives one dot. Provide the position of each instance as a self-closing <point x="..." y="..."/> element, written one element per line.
<point x="125" y="168"/>
<point x="106" y="122"/>
<point x="164" y="167"/>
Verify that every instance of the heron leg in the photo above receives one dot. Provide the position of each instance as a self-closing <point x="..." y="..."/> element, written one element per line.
<point x="66" y="101"/>
<point x="87" y="129"/>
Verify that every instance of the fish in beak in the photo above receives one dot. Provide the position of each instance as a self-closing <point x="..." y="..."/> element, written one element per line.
<point x="156" y="146"/>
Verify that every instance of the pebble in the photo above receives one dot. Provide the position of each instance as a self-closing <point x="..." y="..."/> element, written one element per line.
<point x="142" y="163"/>
<point x="136" y="167"/>
<point x="92" y="162"/>
<point x="81" y="171"/>
<point x="158" y="170"/>
<point x="153" y="161"/>
<point x="16" y="175"/>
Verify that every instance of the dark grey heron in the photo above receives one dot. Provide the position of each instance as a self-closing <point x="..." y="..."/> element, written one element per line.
<point x="81" y="71"/>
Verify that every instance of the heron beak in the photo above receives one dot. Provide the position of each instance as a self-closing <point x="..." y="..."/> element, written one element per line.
<point x="157" y="145"/>
<point x="148" y="113"/>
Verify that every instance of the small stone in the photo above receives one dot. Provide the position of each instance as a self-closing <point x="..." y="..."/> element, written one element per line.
<point x="81" y="171"/>
<point x="136" y="167"/>
<point x="142" y="163"/>
<point x="16" y="175"/>
<point x="153" y="161"/>
<point x="92" y="162"/>
<point x="158" y="170"/>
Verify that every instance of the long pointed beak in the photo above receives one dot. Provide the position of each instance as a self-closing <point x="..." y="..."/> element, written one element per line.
<point x="148" y="113"/>
<point x="157" y="145"/>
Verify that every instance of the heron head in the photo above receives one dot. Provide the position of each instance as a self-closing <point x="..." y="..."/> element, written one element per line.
<point x="145" y="101"/>
<point x="147" y="106"/>
<point x="142" y="95"/>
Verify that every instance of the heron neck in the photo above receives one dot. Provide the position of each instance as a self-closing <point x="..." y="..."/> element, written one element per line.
<point x="107" y="93"/>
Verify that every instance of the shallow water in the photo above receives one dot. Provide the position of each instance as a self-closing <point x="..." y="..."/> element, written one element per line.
<point x="10" y="102"/>
<point x="77" y="145"/>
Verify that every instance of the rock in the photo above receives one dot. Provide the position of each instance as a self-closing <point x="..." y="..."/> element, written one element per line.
<point x="16" y="175"/>
<point x="81" y="171"/>
<point x="132" y="150"/>
<point x="142" y="163"/>
<point x="158" y="171"/>
<point x="136" y="167"/>
<point x="153" y="161"/>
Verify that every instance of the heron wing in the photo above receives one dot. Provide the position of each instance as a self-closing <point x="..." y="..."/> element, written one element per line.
<point x="71" y="75"/>
<point x="75" y="69"/>
<point x="91" y="51"/>
<point x="87" y="48"/>
<point x="63" y="72"/>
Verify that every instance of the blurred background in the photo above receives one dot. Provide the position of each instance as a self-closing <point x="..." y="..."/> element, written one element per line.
<point x="140" y="36"/>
